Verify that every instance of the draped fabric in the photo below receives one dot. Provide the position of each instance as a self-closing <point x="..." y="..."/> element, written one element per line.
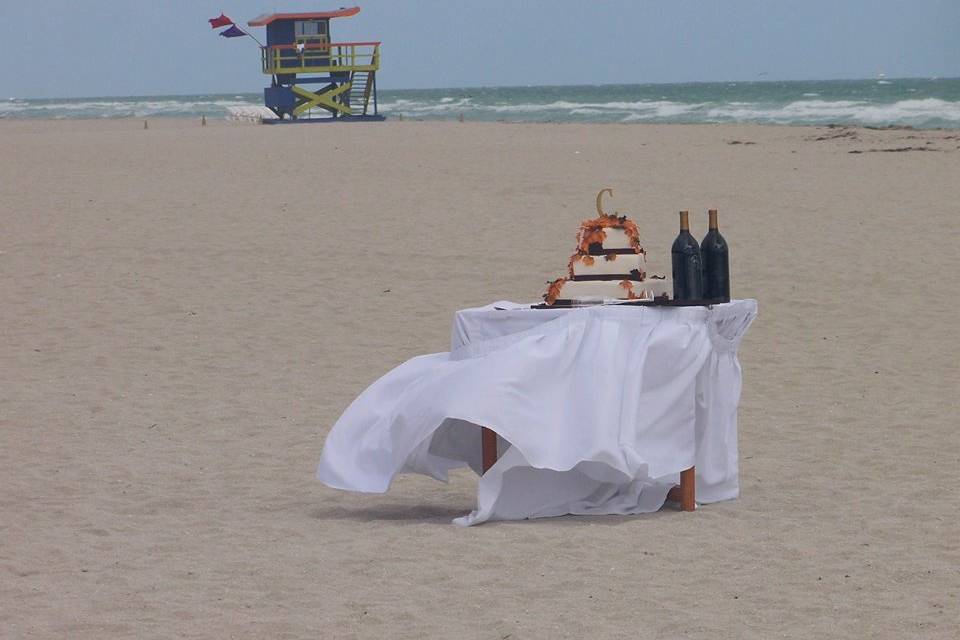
<point x="596" y="409"/>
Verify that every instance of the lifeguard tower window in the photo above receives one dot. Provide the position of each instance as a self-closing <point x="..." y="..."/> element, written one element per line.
<point x="310" y="29"/>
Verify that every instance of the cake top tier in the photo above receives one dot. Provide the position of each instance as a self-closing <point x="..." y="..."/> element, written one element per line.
<point x="593" y="233"/>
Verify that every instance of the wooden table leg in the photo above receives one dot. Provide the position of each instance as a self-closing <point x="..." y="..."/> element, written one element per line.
<point x="686" y="492"/>
<point x="489" y="443"/>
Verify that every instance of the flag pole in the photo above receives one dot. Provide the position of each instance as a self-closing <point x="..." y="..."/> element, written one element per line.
<point x="249" y="34"/>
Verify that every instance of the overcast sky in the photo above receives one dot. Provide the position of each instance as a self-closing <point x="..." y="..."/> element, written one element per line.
<point x="74" y="48"/>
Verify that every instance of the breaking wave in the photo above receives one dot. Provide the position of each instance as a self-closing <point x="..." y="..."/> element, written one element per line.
<point x="173" y="106"/>
<point x="928" y="112"/>
<point x="918" y="103"/>
<point x="904" y="112"/>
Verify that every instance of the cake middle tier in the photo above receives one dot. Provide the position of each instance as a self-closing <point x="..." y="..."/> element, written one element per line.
<point x="622" y="264"/>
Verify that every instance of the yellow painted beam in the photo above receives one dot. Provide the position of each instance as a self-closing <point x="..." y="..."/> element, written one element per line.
<point x="325" y="99"/>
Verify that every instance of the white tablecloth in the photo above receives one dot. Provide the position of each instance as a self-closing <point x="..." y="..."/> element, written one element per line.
<point x="597" y="409"/>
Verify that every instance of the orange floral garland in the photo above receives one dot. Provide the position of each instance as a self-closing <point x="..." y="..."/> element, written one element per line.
<point x="628" y="286"/>
<point x="553" y="290"/>
<point x="592" y="231"/>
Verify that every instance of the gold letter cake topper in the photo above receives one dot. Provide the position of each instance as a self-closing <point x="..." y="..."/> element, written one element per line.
<point x="600" y="202"/>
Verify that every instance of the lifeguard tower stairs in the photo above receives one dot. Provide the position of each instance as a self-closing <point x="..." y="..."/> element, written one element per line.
<point x="313" y="78"/>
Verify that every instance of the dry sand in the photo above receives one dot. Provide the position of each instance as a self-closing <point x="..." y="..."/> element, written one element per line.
<point x="186" y="311"/>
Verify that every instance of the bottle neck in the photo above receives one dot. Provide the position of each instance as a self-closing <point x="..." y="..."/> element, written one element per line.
<point x="713" y="219"/>
<point x="684" y="221"/>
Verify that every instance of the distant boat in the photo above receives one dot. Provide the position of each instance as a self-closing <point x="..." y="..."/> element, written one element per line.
<point x="881" y="79"/>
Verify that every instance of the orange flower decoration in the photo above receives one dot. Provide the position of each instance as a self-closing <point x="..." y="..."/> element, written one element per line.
<point x="587" y="260"/>
<point x="592" y="231"/>
<point x="553" y="290"/>
<point x="631" y="294"/>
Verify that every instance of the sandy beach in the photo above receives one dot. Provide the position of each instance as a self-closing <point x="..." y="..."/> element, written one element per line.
<point x="187" y="310"/>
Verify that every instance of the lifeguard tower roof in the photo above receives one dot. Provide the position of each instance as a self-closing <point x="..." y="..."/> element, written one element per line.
<point x="267" y="18"/>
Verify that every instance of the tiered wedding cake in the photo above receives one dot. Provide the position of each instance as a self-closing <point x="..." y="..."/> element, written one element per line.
<point x="609" y="263"/>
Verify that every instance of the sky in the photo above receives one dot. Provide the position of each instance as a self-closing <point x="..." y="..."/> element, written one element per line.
<point x="74" y="48"/>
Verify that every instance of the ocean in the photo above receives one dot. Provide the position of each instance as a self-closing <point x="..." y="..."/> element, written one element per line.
<point x="922" y="103"/>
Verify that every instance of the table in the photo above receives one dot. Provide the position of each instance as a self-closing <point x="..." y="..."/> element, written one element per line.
<point x="597" y="410"/>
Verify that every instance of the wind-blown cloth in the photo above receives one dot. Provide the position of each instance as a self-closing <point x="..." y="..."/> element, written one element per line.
<point x="597" y="409"/>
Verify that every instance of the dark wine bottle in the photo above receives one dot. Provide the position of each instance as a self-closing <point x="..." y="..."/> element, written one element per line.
<point x="716" y="263"/>
<point x="687" y="263"/>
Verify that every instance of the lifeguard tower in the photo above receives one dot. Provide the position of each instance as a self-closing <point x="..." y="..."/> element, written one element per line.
<point x="299" y="52"/>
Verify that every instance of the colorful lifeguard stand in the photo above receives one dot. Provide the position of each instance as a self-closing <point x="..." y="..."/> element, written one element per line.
<point x="299" y="52"/>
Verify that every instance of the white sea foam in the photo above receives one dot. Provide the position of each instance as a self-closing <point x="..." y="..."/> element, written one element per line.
<point x="664" y="107"/>
<point x="117" y="108"/>
<point x="916" y="112"/>
<point x="641" y="108"/>
<point x="693" y="104"/>
<point x="902" y="112"/>
<point x="415" y="108"/>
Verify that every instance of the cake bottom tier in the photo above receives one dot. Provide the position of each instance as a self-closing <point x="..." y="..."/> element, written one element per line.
<point x="611" y="290"/>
